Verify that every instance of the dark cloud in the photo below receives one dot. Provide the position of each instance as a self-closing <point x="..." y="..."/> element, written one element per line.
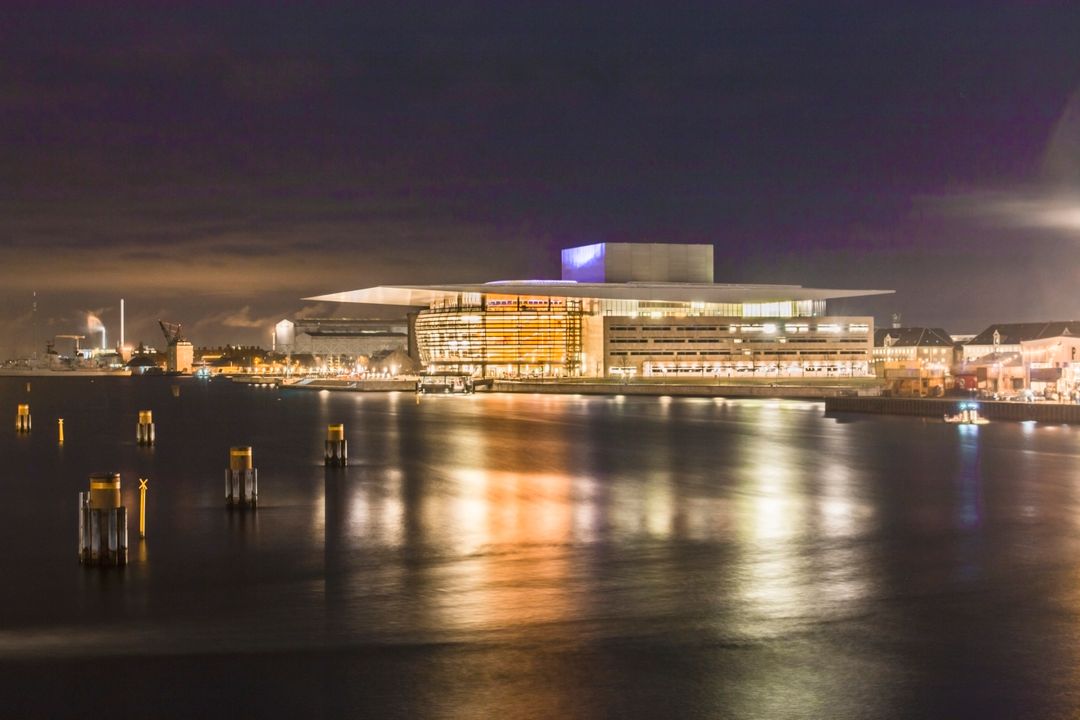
<point x="221" y="160"/>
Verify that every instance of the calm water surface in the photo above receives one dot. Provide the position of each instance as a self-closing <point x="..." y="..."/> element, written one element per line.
<point x="524" y="556"/>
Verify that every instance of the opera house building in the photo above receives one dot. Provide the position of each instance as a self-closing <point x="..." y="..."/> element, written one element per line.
<point x="631" y="309"/>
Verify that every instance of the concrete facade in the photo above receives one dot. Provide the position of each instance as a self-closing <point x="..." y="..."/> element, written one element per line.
<point x="638" y="262"/>
<point x="738" y="347"/>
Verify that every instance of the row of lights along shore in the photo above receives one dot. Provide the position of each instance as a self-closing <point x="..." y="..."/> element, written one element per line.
<point x="103" y="536"/>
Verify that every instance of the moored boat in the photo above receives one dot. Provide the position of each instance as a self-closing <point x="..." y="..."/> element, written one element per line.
<point x="968" y="415"/>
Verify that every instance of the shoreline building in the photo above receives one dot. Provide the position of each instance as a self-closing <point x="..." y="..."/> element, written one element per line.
<point x="1009" y="337"/>
<point x="914" y="361"/>
<point x="342" y="340"/>
<point x="631" y="309"/>
<point x="180" y="357"/>
<point x="1041" y="356"/>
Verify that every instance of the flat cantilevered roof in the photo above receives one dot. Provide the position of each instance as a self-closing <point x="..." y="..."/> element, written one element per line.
<point x="424" y="295"/>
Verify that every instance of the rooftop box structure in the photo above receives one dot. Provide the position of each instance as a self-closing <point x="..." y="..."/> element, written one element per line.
<point x="638" y="262"/>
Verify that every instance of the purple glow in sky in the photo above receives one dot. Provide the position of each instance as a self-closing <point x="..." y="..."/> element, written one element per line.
<point x="213" y="163"/>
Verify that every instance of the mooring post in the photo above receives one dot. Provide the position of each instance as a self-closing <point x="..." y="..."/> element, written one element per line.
<point x="241" y="479"/>
<point x="60" y="427"/>
<point x="337" y="447"/>
<point x="22" y="418"/>
<point x="144" y="431"/>
<point x="103" y="522"/>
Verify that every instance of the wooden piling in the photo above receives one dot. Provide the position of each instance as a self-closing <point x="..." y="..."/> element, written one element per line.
<point x="144" y="431"/>
<point x="337" y="447"/>
<point x="103" y="522"/>
<point x="22" y="418"/>
<point x="241" y="479"/>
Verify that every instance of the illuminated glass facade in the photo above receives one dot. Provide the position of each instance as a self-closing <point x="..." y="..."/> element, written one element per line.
<point x="503" y="335"/>
<point x="497" y="335"/>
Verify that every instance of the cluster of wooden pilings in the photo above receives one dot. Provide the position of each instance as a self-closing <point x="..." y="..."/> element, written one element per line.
<point x="241" y="480"/>
<point x="103" y="536"/>
<point x="22" y="418"/>
<point x="144" y="431"/>
<point x="337" y="447"/>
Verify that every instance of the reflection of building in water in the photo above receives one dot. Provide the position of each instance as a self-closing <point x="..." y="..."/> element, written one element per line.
<point x="632" y="309"/>
<point x="516" y="529"/>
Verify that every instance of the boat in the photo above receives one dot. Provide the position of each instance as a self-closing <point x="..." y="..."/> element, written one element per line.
<point x="968" y="415"/>
<point x="259" y="381"/>
<point x="445" y="382"/>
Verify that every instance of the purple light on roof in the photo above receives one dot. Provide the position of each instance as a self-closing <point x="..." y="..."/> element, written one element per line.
<point x="585" y="263"/>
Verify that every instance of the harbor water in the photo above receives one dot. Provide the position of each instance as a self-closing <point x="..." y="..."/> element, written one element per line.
<point x="537" y="556"/>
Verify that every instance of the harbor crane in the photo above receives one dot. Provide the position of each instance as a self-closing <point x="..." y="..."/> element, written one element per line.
<point x="171" y="332"/>
<point x="76" y="338"/>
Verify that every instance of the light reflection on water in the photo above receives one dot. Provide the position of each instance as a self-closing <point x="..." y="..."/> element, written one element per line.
<point x="783" y="551"/>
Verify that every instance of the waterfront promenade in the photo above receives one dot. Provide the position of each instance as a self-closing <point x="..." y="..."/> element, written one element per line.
<point x="695" y="387"/>
<point x="851" y="395"/>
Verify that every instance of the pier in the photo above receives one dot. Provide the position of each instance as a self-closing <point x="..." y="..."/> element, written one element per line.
<point x="925" y="407"/>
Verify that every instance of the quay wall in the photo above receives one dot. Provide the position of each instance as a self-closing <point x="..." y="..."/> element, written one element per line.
<point x="355" y="385"/>
<point x="926" y="407"/>
<point x="802" y="392"/>
<point x="799" y="392"/>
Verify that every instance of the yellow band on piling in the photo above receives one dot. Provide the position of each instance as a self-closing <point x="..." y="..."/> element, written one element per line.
<point x="146" y="417"/>
<point x="240" y="458"/>
<point x="24" y="409"/>
<point x="335" y="432"/>
<point x="105" y="490"/>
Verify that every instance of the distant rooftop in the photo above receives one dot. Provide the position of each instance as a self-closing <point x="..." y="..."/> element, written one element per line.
<point x="1014" y="333"/>
<point x="913" y="337"/>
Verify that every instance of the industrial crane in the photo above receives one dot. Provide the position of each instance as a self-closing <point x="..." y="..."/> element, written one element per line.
<point x="171" y="332"/>
<point x="76" y="338"/>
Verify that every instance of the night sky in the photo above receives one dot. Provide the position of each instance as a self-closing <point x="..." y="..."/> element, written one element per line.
<point x="215" y="163"/>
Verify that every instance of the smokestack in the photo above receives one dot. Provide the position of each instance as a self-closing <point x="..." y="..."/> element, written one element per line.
<point x="121" y="322"/>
